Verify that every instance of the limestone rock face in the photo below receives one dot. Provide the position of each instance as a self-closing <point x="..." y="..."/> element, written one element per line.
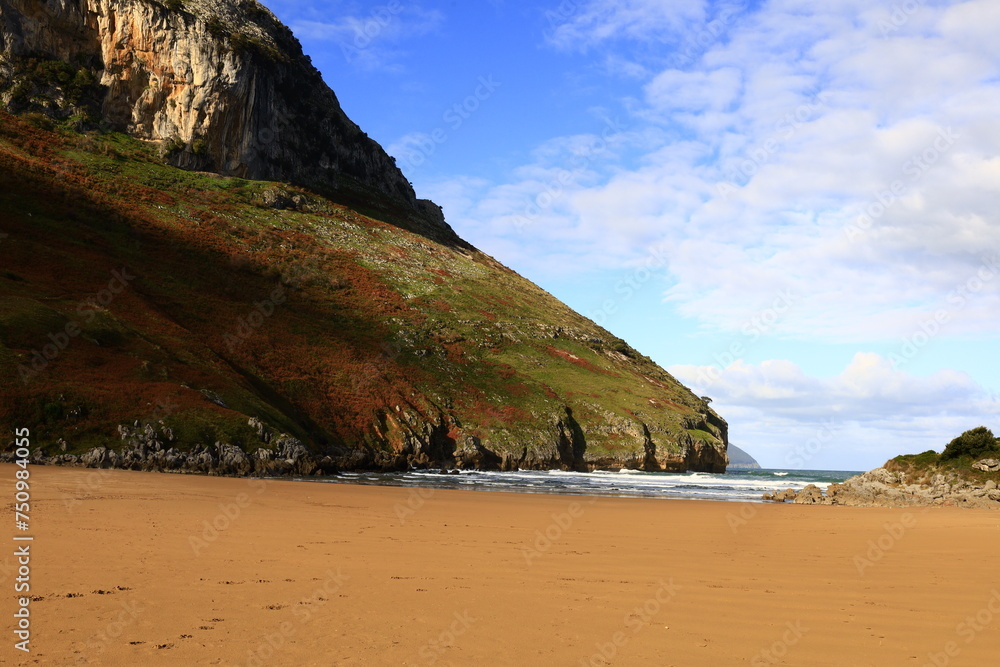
<point x="222" y="85"/>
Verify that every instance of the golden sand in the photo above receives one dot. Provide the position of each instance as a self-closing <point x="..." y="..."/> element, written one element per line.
<point x="133" y="568"/>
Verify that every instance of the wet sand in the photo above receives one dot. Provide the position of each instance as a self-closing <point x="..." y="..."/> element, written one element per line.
<point x="127" y="568"/>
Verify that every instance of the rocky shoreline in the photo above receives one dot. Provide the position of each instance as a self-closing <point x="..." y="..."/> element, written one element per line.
<point x="887" y="488"/>
<point x="151" y="447"/>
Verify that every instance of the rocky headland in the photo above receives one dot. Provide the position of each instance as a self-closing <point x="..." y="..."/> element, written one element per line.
<point x="885" y="487"/>
<point x="200" y="241"/>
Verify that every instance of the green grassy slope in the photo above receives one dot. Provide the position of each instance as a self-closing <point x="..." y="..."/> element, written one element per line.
<point x="236" y="299"/>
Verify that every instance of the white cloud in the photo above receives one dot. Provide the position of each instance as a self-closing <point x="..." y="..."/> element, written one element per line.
<point x="579" y="25"/>
<point x="973" y="24"/>
<point x="370" y="39"/>
<point x="617" y="65"/>
<point x="800" y="148"/>
<point x="775" y="408"/>
<point x="674" y="90"/>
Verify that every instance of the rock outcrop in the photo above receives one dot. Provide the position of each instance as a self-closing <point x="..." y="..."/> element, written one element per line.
<point x="150" y="447"/>
<point x="221" y="85"/>
<point x="885" y="488"/>
<point x="987" y="465"/>
<point x="781" y="496"/>
<point x="415" y="442"/>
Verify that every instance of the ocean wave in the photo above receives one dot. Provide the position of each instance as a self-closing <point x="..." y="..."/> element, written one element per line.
<point x="743" y="486"/>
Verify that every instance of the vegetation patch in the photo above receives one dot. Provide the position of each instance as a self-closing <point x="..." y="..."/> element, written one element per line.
<point x="256" y="299"/>
<point x="955" y="461"/>
<point x="573" y="359"/>
<point x="54" y="89"/>
<point x="976" y="443"/>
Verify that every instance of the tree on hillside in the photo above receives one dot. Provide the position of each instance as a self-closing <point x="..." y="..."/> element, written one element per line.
<point x="974" y="443"/>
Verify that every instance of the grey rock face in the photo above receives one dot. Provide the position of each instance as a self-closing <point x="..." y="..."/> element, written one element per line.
<point x="147" y="447"/>
<point x="222" y="85"/>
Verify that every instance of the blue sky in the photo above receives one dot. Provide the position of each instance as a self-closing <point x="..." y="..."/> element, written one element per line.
<point x="792" y="206"/>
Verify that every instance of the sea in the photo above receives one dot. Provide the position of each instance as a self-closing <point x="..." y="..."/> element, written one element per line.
<point x="735" y="486"/>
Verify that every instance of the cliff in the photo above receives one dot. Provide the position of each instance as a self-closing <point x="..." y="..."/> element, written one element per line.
<point x="178" y="294"/>
<point x="220" y="85"/>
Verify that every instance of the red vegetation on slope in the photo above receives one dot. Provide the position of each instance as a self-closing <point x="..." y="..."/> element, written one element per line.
<point x="573" y="359"/>
<point x="214" y="304"/>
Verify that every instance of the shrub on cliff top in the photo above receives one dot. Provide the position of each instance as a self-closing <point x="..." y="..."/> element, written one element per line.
<point x="54" y="87"/>
<point x="976" y="443"/>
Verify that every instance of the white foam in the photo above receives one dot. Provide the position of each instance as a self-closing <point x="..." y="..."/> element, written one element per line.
<point x="737" y="487"/>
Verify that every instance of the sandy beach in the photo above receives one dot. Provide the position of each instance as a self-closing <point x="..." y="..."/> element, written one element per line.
<point x="133" y="568"/>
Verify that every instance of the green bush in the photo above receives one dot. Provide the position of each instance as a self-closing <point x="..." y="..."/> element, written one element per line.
<point x="921" y="461"/>
<point x="974" y="443"/>
<point x="174" y="145"/>
<point x="206" y="428"/>
<point x="39" y="84"/>
<point x="80" y="87"/>
<point x="39" y="120"/>
<point x="54" y="72"/>
<point x="216" y="28"/>
<point x="621" y="347"/>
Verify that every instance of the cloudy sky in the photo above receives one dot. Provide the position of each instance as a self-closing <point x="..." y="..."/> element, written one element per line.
<point x="792" y="206"/>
